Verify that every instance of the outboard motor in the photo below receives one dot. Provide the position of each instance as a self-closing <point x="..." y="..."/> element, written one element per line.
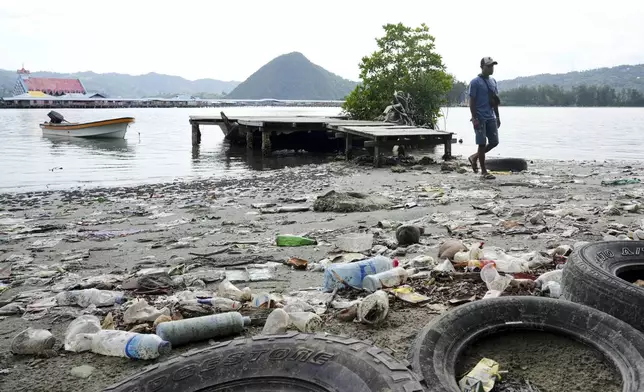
<point x="55" y="117"/>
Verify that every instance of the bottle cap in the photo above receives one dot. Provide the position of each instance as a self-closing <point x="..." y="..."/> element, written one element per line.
<point x="396" y="263"/>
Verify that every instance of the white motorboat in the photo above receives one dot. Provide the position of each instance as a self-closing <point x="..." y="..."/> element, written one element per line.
<point x="114" y="128"/>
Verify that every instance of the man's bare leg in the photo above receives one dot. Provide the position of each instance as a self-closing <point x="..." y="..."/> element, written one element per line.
<point x="481" y="157"/>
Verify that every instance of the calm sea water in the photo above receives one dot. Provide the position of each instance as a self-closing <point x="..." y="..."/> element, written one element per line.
<point x="158" y="146"/>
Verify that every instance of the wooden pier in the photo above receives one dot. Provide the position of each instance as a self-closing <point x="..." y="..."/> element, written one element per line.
<point x="369" y="134"/>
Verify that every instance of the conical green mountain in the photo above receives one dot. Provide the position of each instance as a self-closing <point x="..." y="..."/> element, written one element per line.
<point x="293" y="76"/>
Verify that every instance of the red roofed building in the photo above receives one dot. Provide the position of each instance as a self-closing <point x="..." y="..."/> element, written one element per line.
<point x="50" y="86"/>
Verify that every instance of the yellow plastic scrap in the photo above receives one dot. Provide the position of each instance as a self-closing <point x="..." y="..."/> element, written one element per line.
<point x="500" y="173"/>
<point x="482" y="377"/>
<point x="407" y="294"/>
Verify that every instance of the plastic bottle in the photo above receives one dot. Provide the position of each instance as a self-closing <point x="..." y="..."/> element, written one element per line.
<point x="294" y="240"/>
<point x="87" y="297"/>
<point x="129" y="344"/>
<point x="391" y="278"/>
<point x="336" y="275"/>
<point x="201" y="328"/>
<point x="223" y="304"/>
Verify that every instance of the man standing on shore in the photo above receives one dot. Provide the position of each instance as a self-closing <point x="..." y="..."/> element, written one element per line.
<point x="484" y="106"/>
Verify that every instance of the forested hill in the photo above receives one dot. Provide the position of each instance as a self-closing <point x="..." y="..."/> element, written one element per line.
<point x="293" y="76"/>
<point x="619" y="78"/>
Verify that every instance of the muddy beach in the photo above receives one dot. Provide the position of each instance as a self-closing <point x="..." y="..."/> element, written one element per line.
<point x="51" y="241"/>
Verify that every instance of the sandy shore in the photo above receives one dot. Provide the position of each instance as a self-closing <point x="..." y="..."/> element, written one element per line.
<point x="119" y="230"/>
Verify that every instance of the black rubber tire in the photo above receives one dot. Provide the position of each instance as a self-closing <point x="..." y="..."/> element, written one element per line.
<point x="438" y="346"/>
<point x="289" y="362"/>
<point x="590" y="277"/>
<point x="506" y="164"/>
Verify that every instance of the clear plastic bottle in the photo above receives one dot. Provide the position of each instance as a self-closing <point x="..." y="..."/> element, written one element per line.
<point x="222" y="304"/>
<point x="202" y="328"/>
<point x="129" y="344"/>
<point x="336" y="275"/>
<point x="386" y="279"/>
<point x="86" y="297"/>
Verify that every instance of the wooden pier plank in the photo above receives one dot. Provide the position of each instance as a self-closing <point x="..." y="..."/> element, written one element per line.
<point x="395" y="131"/>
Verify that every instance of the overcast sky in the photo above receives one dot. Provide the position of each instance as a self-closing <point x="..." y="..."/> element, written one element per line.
<point x="230" y="39"/>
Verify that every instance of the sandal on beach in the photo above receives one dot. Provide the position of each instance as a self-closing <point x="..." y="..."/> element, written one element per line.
<point x="488" y="176"/>
<point x="475" y="168"/>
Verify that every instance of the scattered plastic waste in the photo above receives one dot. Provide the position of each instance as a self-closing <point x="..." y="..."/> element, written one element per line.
<point x="622" y="181"/>
<point x="87" y="297"/>
<point x="305" y="321"/>
<point x="32" y="342"/>
<point x="228" y="290"/>
<point x="481" y="378"/>
<point x="277" y="322"/>
<point x="355" y="242"/>
<point x="201" y="328"/>
<point x="79" y="333"/>
<point x="407" y="294"/>
<point x="352" y="274"/>
<point x="140" y="312"/>
<point x="129" y="344"/>
<point x="373" y="309"/>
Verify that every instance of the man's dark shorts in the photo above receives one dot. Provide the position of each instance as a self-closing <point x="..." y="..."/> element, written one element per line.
<point x="488" y="129"/>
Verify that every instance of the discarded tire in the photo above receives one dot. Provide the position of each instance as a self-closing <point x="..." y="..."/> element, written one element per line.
<point x="438" y="346"/>
<point x="293" y="362"/>
<point x="506" y="164"/>
<point x="602" y="274"/>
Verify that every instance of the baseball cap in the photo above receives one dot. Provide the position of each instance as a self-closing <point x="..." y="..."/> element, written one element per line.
<point x="488" y="61"/>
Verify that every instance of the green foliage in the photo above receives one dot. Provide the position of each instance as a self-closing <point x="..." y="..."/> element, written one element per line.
<point x="582" y="95"/>
<point x="292" y="76"/>
<point x="457" y="94"/>
<point x="405" y="61"/>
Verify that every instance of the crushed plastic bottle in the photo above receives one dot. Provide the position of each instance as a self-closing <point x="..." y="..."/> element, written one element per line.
<point x="84" y="298"/>
<point x="129" y="344"/>
<point x="228" y="290"/>
<point x="202" y="328"/>
<point x="32" y="342"/>
<point x="80" y="333"/>
<point x="386" y="279"/>
<point x="276" y="323"/>
<point x="352" y="274"/>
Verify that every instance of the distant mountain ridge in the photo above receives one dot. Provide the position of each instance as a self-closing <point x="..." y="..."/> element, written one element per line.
<point x="130" y="86"/>
<point x="619" y="77"/>
<point x="293" y="76"/>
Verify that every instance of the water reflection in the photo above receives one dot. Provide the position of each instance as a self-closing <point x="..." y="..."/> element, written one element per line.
<point x="61" y="143"/>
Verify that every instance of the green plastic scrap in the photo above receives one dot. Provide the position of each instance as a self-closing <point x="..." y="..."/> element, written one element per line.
<point x="482" y="377"/>
<point x="621" y="181"/>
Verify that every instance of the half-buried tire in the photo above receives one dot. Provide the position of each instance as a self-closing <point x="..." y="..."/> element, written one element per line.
<point x="291" y="362"/>
<point x="602" y="275"/>
<point x="439" y="345"/>
<point x="506" y="164"/>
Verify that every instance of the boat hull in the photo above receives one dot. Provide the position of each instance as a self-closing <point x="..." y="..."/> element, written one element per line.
<point x="106" y="129"/>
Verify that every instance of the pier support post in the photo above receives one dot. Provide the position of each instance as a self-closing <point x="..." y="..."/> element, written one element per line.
<point x="348" y="145"/>
<point x="376" y="153"/>
<point x="266" y="141"/>
<point x="249" y="139"/>
<point x="196" y="134"/>
<point x="448" y="147"/>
